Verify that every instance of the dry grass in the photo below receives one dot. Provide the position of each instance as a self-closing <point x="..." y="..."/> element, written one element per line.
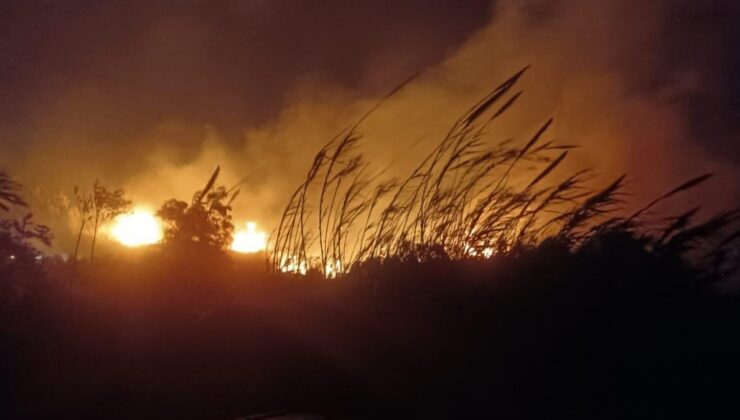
<point x="461" y="201"/>
<point x="468" y="198"/>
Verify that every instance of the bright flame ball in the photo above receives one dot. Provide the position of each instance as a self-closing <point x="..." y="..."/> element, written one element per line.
<point x="137" y="229"/>
<point x="249" y="240"/>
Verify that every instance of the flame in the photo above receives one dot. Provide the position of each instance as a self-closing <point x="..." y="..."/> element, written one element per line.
<point x="291" y="265"/>
<point x="333" y="269"/>
<point x="249" y="240"/>
<point x="294" y="265"/>
<point x="475" y="252"/>
<point x="138" y="228"/>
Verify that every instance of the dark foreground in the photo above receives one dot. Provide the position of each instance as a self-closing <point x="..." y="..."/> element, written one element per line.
<point x="542" y="335"/>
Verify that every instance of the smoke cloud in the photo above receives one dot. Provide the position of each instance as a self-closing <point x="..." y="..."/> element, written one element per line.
<point x="256" y="87"/>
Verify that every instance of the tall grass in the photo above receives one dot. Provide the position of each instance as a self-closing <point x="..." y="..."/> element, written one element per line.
<point x="470" y="197"/>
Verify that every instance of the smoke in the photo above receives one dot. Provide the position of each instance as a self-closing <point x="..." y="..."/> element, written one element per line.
<point x="607" y="71"/>
<point x="646" y="89"/>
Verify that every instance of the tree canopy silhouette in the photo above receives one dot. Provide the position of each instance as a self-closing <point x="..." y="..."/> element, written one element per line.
<point x="204" y="223"/>
<point x="17" y="233"/>
<point x="97" y="207"/>
<point x="106" y="205"/>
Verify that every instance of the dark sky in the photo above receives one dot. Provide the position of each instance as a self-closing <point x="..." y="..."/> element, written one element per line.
<point x="94" y="88"/>
<point x="120" y="67"/>
<point x="704" y="37"/>
<point x="125" y="66"/>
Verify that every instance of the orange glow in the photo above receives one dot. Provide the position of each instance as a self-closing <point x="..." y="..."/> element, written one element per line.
<point x="249" y="240"/>
<point x="291" y="265"/>
<point x="333" y="269"/>
<point x="138" y="228"/>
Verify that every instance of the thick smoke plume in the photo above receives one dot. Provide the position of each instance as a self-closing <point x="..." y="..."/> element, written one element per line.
<point x="645" y="89"/>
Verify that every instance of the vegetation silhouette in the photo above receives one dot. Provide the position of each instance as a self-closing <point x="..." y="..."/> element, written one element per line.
<point x="468" y="198"/>
<point x="19" y="238"/>
<point x="205" y="224"/>
<point x="106" y="205"/>
<point x="97" y="207"/>
<point x="475" y="286"/>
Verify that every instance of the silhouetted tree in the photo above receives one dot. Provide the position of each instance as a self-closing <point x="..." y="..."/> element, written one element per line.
<point x="9" y="193"/>
<point x="106" y="205"/>
<point x="97" y="207"/>
<point x="83" y="204"/>
<point x="17" y="254"/>
<point x="205" y="222"/>
<point x="24" y="228"/>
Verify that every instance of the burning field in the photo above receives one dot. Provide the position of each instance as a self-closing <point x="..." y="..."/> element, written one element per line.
<point x="228" y="210"/>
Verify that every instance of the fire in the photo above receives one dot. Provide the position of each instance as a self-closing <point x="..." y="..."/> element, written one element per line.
<point x="333" y="269"/>
<point x="249" y="240"/>
<point x="138" y="228"/>
<point x="291" y="265"/>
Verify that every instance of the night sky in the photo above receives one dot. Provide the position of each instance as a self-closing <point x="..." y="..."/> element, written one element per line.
<point x="123" y="67"/>
<point x="137" y="93"/>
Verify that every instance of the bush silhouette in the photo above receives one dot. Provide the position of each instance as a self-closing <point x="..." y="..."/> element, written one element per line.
<point x="205" y="224"/>
<point x="19" y="236"/>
